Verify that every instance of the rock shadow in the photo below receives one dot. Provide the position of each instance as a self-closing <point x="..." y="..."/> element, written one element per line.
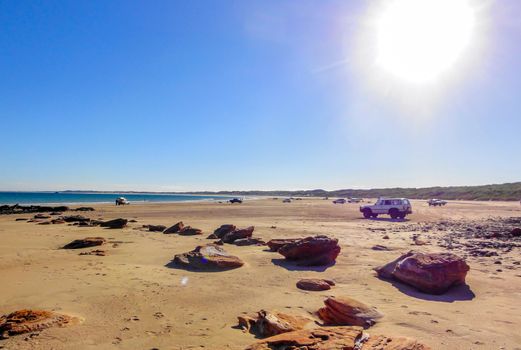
<point x="293" y="265"/>
<point x="173" y="265"/>
<point x="386" y="219"/>
<point x="455" y="293"/>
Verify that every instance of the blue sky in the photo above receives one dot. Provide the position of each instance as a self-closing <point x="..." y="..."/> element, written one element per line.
<point x="211" y="95"/>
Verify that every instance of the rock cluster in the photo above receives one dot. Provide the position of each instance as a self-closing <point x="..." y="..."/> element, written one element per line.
<point x="229" y="233"/>
<point x="84" y="209"/>
<point x="478" y="237"/>
<point x="432" y="273"/>
<point x="23" y="209"/>
<point x="75" y="218"/>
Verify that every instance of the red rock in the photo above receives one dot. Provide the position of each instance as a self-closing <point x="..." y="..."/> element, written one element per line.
<point x="275" y="244"/>
<point x="208" y="257"/>
<point x="267" y="324"/>
<point x="312" y="251"/>
<point x="75" y="218"/>
<point x="432" y="273"/>
<point x="335" y="338"/>
<point x="41" y="216"/>
<point x="85" y="243"/>
<point x="25" y="321"/>
<point x="516" y="232"/>
<point x="348" y="312"/>
<point x="116" y="223"/>
<point x="386" y="271"/>
<point x="221" y="231"/>
<point x="230" y="237"/>
<point x="156" y="228"/>
<point x="175" y="228"/>
<point x="248" y="241"/>
<point x="314" y="284"/>
<point x="330" y="338"/>
<point x="190" y="231"/>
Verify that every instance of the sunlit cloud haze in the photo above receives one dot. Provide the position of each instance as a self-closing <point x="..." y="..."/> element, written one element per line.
<point x="239" y="95"/>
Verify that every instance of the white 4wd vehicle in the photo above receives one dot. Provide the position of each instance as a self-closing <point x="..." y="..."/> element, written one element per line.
<point x="395" y="207"/>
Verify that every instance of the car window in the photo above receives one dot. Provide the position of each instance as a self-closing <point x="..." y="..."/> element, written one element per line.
<point x="387" y="202"/>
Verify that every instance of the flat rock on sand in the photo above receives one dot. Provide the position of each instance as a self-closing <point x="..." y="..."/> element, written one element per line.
<point x="249" y="241"/>
<point x="331" y="338"/>
<point x="315" y="284"/>
<point x="267" y="324"/>
<point x="432" y="273"/>
<point x="25" y="321"/>
<point x="85" y="243"/>
<point x="335" y="338"/>
<point x="209" y="257"/>
<point x="116" y="223"/>
<point x="190" y="231"/>
<point x="345" y="311"/>
<point x="156" y="228"/>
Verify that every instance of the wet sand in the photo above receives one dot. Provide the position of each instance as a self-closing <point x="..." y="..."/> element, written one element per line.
<point x="133" y="299"/>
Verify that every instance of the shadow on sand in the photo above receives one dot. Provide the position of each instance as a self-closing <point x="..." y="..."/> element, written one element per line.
<point x="173" y="265"/>
<point x="292" y="266"/>
<point x="386" y="219"/>
<point x="456" y="293"/>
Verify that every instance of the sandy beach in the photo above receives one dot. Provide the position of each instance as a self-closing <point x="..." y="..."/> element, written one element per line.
<point x="133" y="298"/>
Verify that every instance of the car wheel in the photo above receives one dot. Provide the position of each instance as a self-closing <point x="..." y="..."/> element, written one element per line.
<point x="393" y="213"/>
<point x="401" y="216"/>
<point x="367" y="213"/>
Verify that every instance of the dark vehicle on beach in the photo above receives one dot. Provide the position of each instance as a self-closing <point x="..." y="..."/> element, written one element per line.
<point x="436" y="202"/>
<point x="122" y="201"/>
<point x="235" y="200"/>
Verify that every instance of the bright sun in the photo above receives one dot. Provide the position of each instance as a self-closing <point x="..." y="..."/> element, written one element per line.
<point x="418" y="40"/>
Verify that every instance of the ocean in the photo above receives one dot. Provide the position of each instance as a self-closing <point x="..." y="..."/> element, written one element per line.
<point x="74" y="197"/>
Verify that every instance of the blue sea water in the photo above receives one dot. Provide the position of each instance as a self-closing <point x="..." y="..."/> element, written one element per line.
<point x="72" y="197"/>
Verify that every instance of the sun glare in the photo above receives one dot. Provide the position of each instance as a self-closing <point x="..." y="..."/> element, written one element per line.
<point x="419" y="40"/>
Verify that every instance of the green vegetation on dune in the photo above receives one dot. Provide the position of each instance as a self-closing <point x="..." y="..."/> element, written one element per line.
<point x="507" y="192"/>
